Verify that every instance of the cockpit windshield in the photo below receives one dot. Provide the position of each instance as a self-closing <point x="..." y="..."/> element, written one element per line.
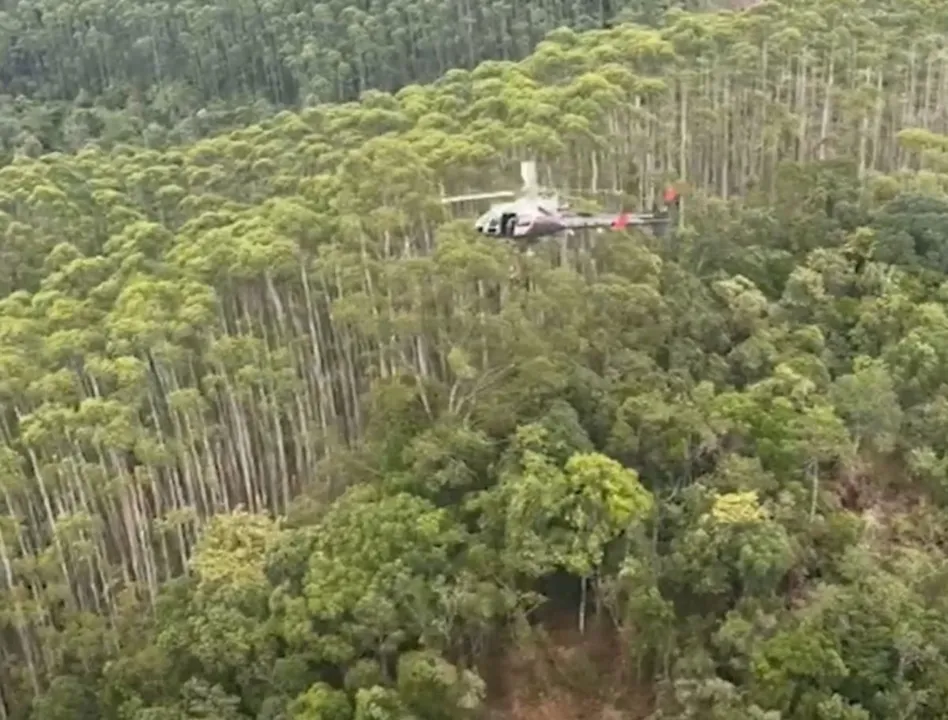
<point x="488" y="223"/>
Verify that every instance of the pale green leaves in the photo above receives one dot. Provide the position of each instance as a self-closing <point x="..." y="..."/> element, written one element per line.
<point x="320" y="702"/>
<point x="460" y="364"/>
<point x="437" y="690"/>
<point x="233" y="551"/>
<point x="733" y="548"/>
<point x="564" y="518"/>
<point x="737" y="508"/>
<point x="608" y="489"/>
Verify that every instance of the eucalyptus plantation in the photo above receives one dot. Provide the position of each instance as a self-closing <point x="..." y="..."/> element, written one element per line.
<point x="282" y="438"/>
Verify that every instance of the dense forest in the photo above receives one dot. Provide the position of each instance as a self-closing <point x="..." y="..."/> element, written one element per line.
<point x="283" y="439"/>
<point x="79" y="71"/>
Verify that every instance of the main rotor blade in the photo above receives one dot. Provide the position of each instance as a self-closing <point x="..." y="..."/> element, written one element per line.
<point x="478" y="196"/>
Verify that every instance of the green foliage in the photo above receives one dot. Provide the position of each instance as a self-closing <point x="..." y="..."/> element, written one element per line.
<point x="434" y="688"/>
<point x="321" y="702"/>
<point x="281" y="438"/>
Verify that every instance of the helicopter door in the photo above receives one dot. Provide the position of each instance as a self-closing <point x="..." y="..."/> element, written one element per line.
<point x="507" y="223"/>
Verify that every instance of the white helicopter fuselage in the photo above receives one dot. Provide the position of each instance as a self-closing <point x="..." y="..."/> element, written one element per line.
<point x="522" y="218"/>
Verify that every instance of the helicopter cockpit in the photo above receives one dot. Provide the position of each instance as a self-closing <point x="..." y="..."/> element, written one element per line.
<point x="500" y="221"/>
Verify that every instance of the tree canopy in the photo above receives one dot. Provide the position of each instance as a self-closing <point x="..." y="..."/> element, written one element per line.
<point x="284" y="439"/>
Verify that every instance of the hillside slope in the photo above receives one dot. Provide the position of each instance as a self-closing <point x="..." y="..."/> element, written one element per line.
<point x="706" y="443"/>
<point x="78" y="71"/>
<point x="164" y="73"/>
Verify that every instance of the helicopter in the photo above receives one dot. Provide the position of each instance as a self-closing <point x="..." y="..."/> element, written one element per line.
<point x="533" y="213"/>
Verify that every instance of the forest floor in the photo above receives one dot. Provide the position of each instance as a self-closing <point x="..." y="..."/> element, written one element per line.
<point x="562" y="674"/>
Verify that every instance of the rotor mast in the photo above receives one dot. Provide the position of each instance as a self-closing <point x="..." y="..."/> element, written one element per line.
<point x="528" y="172"/>
<point x="531" y="188"/>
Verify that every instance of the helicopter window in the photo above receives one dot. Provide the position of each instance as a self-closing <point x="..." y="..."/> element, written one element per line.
<point x="493" y="226"/>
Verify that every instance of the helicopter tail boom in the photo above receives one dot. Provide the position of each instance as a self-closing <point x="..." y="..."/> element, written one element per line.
<point x="614" y="222"/>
